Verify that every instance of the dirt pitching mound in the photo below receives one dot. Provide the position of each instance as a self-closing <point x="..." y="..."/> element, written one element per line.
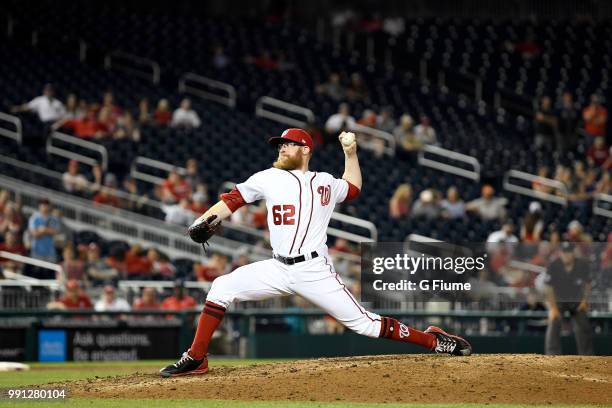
<point x="501" y="378"/>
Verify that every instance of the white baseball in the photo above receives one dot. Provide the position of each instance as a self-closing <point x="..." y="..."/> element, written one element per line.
<point x="348" y="138"/>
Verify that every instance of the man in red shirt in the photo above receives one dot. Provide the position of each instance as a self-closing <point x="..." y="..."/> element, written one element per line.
<point x="595" y="117"/>
<point x="74" y="298"/>
<point x="179" y="300"/>
<point x="175" y="187"/>
<point x="86" y="128"/>
<point x="148" y="300"/>
<point x="598" y="152"/>
<point x="11" y="245"/>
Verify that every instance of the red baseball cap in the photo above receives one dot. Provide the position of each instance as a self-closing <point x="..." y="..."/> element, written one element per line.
<point x="298" y="136"/>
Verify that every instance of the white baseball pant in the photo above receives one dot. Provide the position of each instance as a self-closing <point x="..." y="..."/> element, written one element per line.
<point x="315" y="280"/>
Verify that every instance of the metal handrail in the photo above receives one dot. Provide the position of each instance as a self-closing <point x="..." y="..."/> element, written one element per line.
<point x="122" y="194"/>
<point x="473" y="174"/>
<point x="160" y="165"/>
<point x="58" y="151"/>
<point x="34" y="262"/>
<point x="16" y="134"/>
<point x="347" y="219"/>
<point x="229" y="100"/>
<point x="159" y="285"/>
<point x="377" y="134"/>
<point x="529" y="191"/>
<point x="289" y="107"/>
<point x="155" y="69"/>
<point x="598" y="198"/>
<point x="121" y="224"/>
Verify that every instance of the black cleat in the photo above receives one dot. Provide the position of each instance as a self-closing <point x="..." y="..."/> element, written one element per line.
<point x="186" y="365"/>
<point x="449" y="344"/>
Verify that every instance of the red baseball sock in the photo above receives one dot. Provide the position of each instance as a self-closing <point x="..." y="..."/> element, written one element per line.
<point x="210" y="318"/>
<point x="392" y="329"/>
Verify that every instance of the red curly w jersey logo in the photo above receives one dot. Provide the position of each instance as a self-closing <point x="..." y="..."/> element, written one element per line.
<point x="325" y="192"/>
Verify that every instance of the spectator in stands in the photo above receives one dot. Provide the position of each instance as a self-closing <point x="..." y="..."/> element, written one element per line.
<point x="199" y="204"/>
<point x="216" y="266"/>
<point x="404" y="134"/>
<point x="368" y="118"/>
<point x="74" y="268"/>
<point x="220" y="60"/>
<point x="72" y="180"/>
<point x="340" y="121"/>
<point x="126" y="128"/>
<point x="161" y="268"/>
<point x="43" y="227"/>
<point x="568" y="123"/>
<point x="107" y="196"/>
<point x="175" y="188"/>
<point x="135" y="201"/>
<point x="179" y="300"/>
<point x="356" y="90"/>
<point x="533" y="225"/>
<point x="528" y="47"/>
<point x="385" y="121"/>
<point x="148" y="300"/>
<point x="401" y="202"/>
<point x="86" y="127"/>
<point x="545" y="125"/>
<point x="48" y="108"/>
<point x="453" y="206"/>
<point x="179" y="214"/>
<point x="11" y="244"/>
<point x="73" y="108"/>
<point x="332" y="88"/>
<point x="503" y="235"/>
<point x="575" y="233"/>
<point x="424" y="132"/>
<point x="538" y="185"/>
<point x="185" y="117"/>
<point x="192" y="177"/>
<point x="595" y="117"/>
<point x="144" y="112"/>
<point x="109" y="302"/>
<point x="98" y="270"/>
<point x="427" y="206"/>
<point x="11" y="218"/>
<point x="74" y="297"/>
<point x="162" y="115"/>
<point x="599" y="152"/>
<point x="488" y="207"/>
<point x="137" y="264"/>
<point x="264" y="61"/>
<point x="568" y="288"/>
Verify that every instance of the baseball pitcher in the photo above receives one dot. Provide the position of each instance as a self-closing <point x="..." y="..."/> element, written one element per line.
<point x="300" y="203"/>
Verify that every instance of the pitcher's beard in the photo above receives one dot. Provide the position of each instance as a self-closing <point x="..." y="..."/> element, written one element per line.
<point x="289" y="163"/>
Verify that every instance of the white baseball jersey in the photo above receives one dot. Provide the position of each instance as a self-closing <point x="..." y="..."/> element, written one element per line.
<point x="299" y="206"/>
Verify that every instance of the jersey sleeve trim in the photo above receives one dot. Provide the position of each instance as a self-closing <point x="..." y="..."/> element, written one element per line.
<point x="233" y="199"/>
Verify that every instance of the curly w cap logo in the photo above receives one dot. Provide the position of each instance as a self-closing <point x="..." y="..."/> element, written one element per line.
<point x="285" y="133"/>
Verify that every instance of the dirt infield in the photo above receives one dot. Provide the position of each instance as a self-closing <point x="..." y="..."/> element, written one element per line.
<point x="527" y="379"/>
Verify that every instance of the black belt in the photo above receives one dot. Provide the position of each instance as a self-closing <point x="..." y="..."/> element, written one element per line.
<point x="296" y="259"/>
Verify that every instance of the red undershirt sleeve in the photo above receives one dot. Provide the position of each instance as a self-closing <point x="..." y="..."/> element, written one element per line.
<point x="233" y="199"/>
<point x="353" y="191"/>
